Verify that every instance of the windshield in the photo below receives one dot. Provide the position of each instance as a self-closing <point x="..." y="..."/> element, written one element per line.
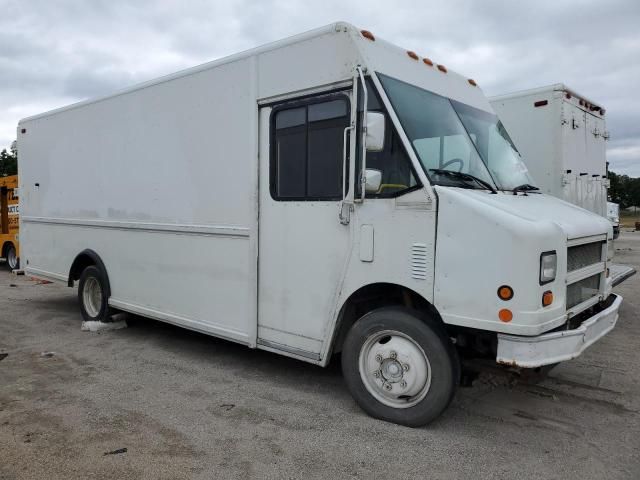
<point x="451" y="136"/>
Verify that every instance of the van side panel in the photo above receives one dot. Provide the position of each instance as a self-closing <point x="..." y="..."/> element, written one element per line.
<point x="161" y="183"/>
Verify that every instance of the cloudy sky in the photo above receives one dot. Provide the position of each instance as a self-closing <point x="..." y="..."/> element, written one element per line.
<point x="56" y="52"/>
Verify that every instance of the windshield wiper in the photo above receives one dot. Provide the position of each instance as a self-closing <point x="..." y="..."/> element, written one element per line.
<point x="525" y="187"/>
<point x="464" y="176"/>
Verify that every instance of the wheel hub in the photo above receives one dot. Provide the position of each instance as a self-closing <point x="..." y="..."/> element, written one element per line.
<point x="12" y="259"/>
<point x="391" y="370"/>
<point x="395" y="369"/>
<point x="92" y="296"/>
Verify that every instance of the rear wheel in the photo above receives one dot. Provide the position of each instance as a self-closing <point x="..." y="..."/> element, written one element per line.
<point x="13" y="262"/>
<point x="93" y="296"/>
<point x="400" y="366"/>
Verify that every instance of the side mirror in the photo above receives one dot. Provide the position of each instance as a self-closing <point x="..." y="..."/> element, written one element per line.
<point x="373" y="180"/>
<point x="375" y="131"/>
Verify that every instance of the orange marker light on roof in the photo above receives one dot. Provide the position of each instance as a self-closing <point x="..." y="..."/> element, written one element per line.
<point x="472" y="82"/>
<point x="427" y="61"/>
<point x="505" y="315"/>
<point x="442" y="68"/>
<point x="368" y="35"/>
<point x="413" y="55"/>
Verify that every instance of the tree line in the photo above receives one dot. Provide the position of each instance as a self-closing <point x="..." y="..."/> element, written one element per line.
<point x="624" y="190"/>
<point x="9" y="161"/>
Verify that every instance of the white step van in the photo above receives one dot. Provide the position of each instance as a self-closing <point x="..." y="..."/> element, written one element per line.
<point x="329" y="193"/>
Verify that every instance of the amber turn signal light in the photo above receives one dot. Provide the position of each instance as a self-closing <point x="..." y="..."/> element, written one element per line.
<point x="505" y="315"/>
<point x="505" y="292"/>
<point x="413" y="55"/>
<point x="368" y="35"/>
<point x="547" y="298"/>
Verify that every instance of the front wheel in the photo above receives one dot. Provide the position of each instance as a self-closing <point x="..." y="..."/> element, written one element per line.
<point x="400" y="366"/>
<point x="13" y="262"/>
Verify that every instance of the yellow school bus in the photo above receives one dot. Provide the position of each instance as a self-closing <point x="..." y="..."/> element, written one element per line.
<point x="9" y="216"/>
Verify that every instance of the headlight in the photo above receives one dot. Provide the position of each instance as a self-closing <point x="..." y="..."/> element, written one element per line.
<point x="548" y="264"/>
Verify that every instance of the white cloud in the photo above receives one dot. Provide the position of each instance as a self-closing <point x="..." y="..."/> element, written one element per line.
<point x="55" y="53"/>
<point x="625" y="159"/>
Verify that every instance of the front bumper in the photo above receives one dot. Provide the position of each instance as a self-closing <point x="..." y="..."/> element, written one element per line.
<point x="559" y="346"/>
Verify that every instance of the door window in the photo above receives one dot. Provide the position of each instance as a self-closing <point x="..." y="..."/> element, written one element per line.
<point x="307" y="148"/>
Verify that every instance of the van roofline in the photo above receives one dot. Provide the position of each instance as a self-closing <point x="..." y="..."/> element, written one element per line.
<point x="337" y="27"/>
<point x="556" y="87"/>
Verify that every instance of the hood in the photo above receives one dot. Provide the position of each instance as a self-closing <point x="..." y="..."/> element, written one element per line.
<point x="576" y="222"/>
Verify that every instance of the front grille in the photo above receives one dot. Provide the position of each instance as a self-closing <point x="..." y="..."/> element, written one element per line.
<point x="582" y="256"/>
<point x="583" y="290"/>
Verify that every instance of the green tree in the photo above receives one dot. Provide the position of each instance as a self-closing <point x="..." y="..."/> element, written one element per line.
<point x="9" y="161"/>
<point x="634" y="192"/>
<point x="624" y="190"/>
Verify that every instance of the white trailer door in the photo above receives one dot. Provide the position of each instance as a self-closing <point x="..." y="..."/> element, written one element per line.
<point x="303" y="246"/>
<point x="573" y="154"/>
<point x="596" y="163"/>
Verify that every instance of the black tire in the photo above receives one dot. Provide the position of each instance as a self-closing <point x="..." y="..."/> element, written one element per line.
<point x="11" y="257"/>
<point x="424" y="332"/>
<point x="93" y="277"/>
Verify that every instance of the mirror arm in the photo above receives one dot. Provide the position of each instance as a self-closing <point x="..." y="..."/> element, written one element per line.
<point x="363" y="166"/>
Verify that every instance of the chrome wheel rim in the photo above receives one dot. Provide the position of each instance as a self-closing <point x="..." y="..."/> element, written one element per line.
<point x="394" y="369"/>
<point x="92" y="296"/>
<point x="12" y="259"/>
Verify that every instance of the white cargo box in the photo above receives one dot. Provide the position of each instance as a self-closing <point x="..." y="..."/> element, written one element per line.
<point x="561" y="136"/>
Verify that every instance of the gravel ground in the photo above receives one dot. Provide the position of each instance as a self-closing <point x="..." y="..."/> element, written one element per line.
<point x="185" y="405"/>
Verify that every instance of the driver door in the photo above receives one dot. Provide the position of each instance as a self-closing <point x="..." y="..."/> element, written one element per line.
<point x="303" y="246"/>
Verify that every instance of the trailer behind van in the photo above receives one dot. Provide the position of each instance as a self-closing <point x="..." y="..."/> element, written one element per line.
<point x="561" y="136"/>
<point x="329" y="193"/>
